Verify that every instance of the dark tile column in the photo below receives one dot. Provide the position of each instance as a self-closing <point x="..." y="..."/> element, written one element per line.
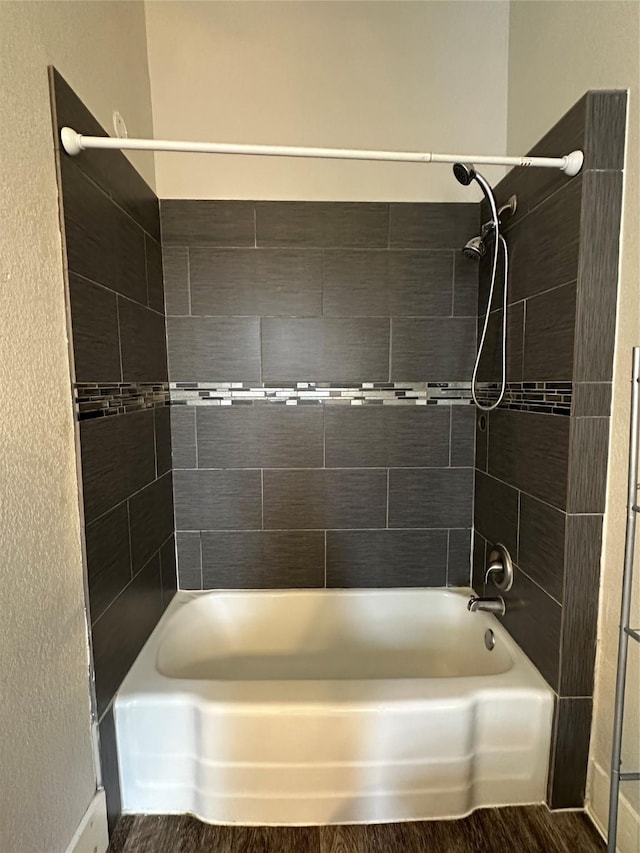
<point x="113" y="261"/>
<point x="540" y="476"/>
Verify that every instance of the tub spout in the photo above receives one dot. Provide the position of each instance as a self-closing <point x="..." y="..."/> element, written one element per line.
<point x="490" y="605"/>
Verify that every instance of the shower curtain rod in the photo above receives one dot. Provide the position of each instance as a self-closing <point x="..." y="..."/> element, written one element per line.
<point x="73" y="143"/>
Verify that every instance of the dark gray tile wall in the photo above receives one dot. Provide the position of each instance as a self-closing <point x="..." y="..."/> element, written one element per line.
<point x="282" y="292"/>
<point x="541" y="479"/>
<point x="113" y="259"/>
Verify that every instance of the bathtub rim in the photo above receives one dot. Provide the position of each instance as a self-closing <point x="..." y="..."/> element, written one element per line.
<point x="144" y="682"/>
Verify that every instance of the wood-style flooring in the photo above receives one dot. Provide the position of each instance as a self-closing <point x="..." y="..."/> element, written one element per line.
<point x="532" y="829"/>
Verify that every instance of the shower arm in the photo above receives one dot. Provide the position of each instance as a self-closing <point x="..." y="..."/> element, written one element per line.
<point x="73" y="143"/>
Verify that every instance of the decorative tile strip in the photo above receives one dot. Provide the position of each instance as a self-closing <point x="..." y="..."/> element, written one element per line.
<point x="552" y="398"/>
<point x="96" y="400"/>
<point x="314" y="393"/>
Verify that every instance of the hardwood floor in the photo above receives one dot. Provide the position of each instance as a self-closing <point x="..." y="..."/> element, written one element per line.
<point x="532" y="829"/>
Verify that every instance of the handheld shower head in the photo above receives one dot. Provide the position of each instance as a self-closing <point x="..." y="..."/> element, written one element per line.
<point x="464" y="173"/>
<point x="474" y="249"/>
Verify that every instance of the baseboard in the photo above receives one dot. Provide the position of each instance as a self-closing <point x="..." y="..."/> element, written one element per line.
<point x="597" y="807"/>
<point x="92" y="835"/>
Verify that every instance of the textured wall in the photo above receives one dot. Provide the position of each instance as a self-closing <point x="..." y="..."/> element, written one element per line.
<point x="321" y="493"/>
<point x="396" y="75"/>
<point x="47" y="777"/>
<point x="556" y="51"/>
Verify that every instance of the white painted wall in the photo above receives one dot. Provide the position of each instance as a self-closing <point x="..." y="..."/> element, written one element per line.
<point x="557" y="51"/>
<point x="47" y="775"/>
<point x="391" y="75"/>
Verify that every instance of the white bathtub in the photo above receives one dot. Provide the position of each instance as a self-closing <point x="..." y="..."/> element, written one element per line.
<point x="326" y="706"/>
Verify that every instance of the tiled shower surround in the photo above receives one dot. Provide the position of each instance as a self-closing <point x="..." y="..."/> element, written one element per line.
<point x="541" y="478"/>
<point x="320" y="307"/>
<point x="320" y="430"/>
<point x="113" y="261"/>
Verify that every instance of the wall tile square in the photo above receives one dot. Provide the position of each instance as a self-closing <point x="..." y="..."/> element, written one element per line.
<point x="479" y="563"/>
<point x="142" y="342"/>
<point x="349" y="350"/>
<point x="187" y="222"/>
<point x="268" y="282"/>
<point x="463" y="436"/>
<point x="155" y="283"/>
<point x="548" y="338"/>
<point x="606" y="113"/>
<point x="533" y="619"/>
<point x="189" y="560"/>
<point x="175" y="264"/>
<point x="386" y="558"/>
<point x="150" y="519"/>
<point x="117" y="459"/>
<point x="322" y="224"/>
<point x="209" y="349"/>
<point x="386" y="436"/>
<point x="382" y="283"/>
<point x="591" y="399"/>
<point x="162" y="423"/>
<point x="96" y="341"/>
<point x="218" y="500"/>
<point x="588" y="482"/>
<point x="490" y="369"/>
<point x="542" y="545"/>
<point x="168" y="570"/>
<point x="260" y="436"/>
<point x="570" y="753"/>
<point x="263" y="560"/>
<point x="459" y="560"/>
<point x="465" y="286"/>
<point x="103" y="243"/>
<point x="183" y="436"/>
<point x="482" y="439"/>
<point x="430" y="497"/>
<point x="544" y="247"/>
<point x="598" y="276"/>
<point x="434" y="350"/>
<point x="432" y="226"/>
<point x="89" y="224"/>
<point x="530" y="452"/>
<point x="496" y="512"/>
<point x="323" y="499"/>
<point x="108" y="558"/>
<point x="122" y="630"/>
<point x="582" y="588"/>
<point x="129" y="257"/>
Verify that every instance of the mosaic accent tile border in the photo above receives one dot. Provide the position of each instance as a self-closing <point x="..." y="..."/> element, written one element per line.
<point x="323" y="393"/>
<point x="96" y="400"/>
<point x="93" y="400"/>
<point x="552" y="398"/>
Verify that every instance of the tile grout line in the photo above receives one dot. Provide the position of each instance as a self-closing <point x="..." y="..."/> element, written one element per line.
<point x="325" y="559"/>
<point x="388" y="489"/>
<point x="188" y="279"/>
<point x="446" y="574"/>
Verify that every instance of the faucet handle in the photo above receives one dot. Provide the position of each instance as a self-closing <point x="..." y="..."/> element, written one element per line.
<point x="500" y="568"/>
<point x="493" y="568"/>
